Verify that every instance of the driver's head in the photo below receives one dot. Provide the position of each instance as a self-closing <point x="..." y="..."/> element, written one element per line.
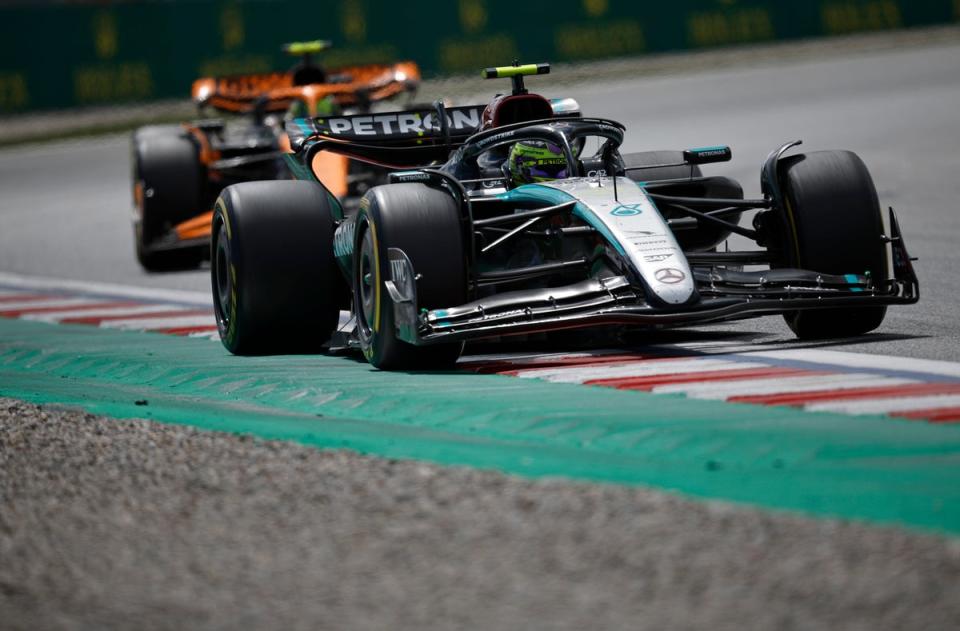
<point x="535" y="161"/>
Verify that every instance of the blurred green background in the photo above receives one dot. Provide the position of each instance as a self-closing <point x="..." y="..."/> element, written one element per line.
<point x="56" y="54"/>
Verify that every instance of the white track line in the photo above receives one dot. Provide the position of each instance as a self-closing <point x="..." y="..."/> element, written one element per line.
<point x="210" y="335"/>
<point x="779" y="385"/>
<point x="579" y="374"/>
<point x="44" y="303"/>
<point x="857" y="360"/>
<point x="887" y="405"/>
<point x="18" y="281"/>
<point x="83" y="293"/>
<point x="147" y="324"/>
<point x="526" y="358"/>
<point x="57" y="316"/>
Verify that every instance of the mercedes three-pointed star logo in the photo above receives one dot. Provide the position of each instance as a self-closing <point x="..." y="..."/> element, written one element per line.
<point x="669" y="275"/>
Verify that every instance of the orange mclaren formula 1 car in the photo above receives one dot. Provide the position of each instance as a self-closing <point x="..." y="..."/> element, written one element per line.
<point x="179" y="170"/>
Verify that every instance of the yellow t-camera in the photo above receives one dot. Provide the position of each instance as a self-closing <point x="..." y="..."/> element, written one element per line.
<point x="307" y="48"/>
<point x="516" y="72"/>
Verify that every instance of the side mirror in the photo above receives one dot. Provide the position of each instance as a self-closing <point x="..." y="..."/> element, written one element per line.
<point x="706" y="155"/>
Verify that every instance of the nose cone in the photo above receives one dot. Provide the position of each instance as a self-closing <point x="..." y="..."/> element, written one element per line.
<point x="672" y="285"/>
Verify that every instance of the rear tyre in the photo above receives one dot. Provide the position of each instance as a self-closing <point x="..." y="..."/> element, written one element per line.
<point x="168" y="182"/>
<point x="425" y="224"/>
<point x="276" y="285"/>
<point x="833" y="226"/>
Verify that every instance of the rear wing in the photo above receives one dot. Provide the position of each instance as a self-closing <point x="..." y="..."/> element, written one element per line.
<point x="411" y="128"/>
<point x="389" y="139"/>
<point x="275" y="91"/>
<point x="421" y="127"/>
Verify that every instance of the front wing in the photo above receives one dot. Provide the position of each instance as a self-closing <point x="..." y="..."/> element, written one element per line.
<point x="721" y="295"/>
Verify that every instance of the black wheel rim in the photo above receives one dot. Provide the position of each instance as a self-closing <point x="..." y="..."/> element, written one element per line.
<point x="366" y="283"/>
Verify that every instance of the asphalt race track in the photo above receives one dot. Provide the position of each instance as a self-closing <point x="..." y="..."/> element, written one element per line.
<point x="111" y="521"/>
<point x="65" y="207"/>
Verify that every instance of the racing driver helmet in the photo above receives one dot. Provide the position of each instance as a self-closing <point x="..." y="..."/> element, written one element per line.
<point x="535" y="161"/>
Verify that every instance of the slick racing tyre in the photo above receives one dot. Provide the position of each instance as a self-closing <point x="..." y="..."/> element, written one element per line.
<point x="425" y="224"/>
<point x="276" y="285"/>
<point x="833" y="225"/>
<point x="704" y="237"/>
<point x="168" y="188"/>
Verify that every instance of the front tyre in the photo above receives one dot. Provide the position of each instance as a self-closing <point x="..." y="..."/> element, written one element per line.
<point x="425" y="224"/>
<point x="833" y="226"/>
<point x="276" y="286"/>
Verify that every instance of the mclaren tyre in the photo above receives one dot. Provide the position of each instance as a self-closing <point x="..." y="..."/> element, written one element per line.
<point x="168" y="188"/>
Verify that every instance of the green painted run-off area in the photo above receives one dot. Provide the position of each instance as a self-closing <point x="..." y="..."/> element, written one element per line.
<point x="870" y="468"/>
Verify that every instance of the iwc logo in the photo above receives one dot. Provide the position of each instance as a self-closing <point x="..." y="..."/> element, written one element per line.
<point x="669" y="275"/>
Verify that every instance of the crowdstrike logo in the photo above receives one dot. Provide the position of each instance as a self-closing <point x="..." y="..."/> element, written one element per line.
<point x="495" y="138"/>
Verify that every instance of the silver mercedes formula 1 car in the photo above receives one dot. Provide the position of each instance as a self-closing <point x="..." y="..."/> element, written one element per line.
<point x="523" y="216"/>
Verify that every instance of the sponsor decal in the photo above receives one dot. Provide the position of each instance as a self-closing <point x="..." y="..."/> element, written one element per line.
<point x="411" y="176"/>
<point x="399" y="271"/>
<point x="656" y="258"/>
<point x="627" y="210"/>
<point x="401" y="278"/>
<point x="656" y="244"/>
<point x="711" y="152"/>
<point x="610" y="128"/>
<point x="669" y="275"/>
<point x="401" y="275"/>
<point x="401" y="123"/>
<point x="495" y="139"/>
<point x="343" y="239"/>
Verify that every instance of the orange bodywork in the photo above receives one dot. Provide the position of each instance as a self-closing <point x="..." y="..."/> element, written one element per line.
<point x="138" y="194"/>
<point x="207" y="154"/>
<point x="197" y="228"/>
<point x="240" y="94"/>
<point x="330" y="168"/>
